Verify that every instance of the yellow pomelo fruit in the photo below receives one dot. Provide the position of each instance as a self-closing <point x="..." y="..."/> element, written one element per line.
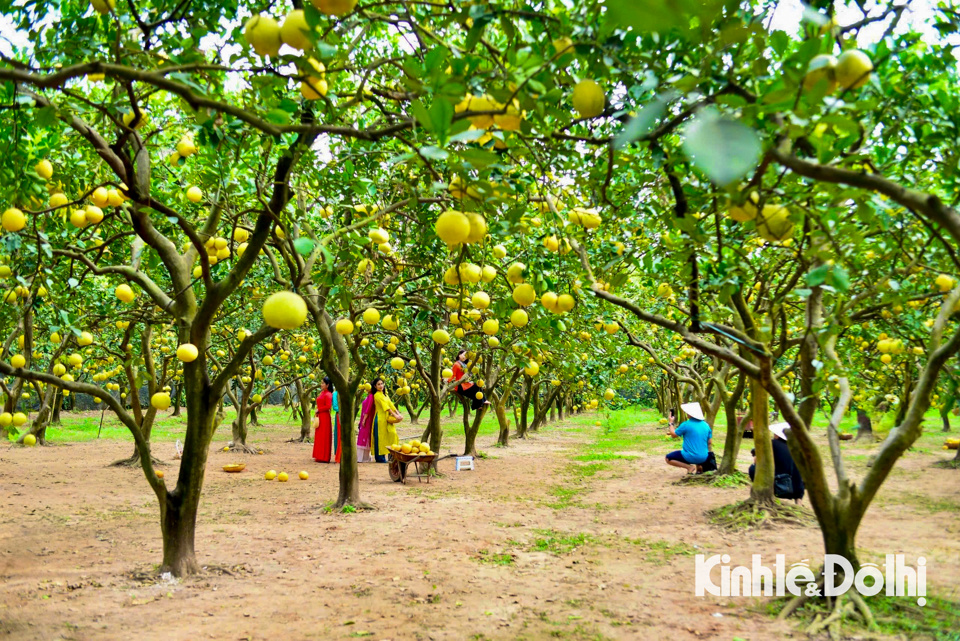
<point x="125" y="293"/>
<point x="344" y="326"/>
<point x="160" y="400"/>
<point x="18" y="361"/>
<point x="510" y="121"/>
<point x="85" y="338"/>
<point x="103" y="6"/>
<point x="29" y="440"/>
<point x="532" y="368"/>
<point x="334" y="7"/>
<point x="390" y="323"/>
<point x="379" y="236"/>
<point x="588" y="99"/>
<point x="944" y="283"/>
<point x="565" y="302"/>
<point x="853" y="69"/>
<point x="488" y="274"/>
<point x="187" y="352"/>
<point x="524" y="294"/>
<point x="405" y="448"/>
<point x="480" y="300"/>
<point x="773" y="223"/>
<point x="285" y="310"/>
<point x="295" y="29"/>
<point x="303" y="475"/>
<point x="93" y="214"/>
<point x="272" y="474"/>
<point x="499" y="251"/>
<point x="519" y="318"/>
<point x="263" y="34"/>
<point x="313" y="87"/>
<point x="822" y="68"/>
<point x="44" y="169"/>
<point x="452" y="227"/>
<point x="13" y="220"/>
<point x="478" y="228"/>
<point x="78" y="218"/>
<point x="549" y="300"/>
<point x="515" y="272"/>
<point x="7" y="418"/>
<point x="194" y="194"/>
<point x="371" y="316"/>
<point x="609" y="394"/>
<point x="282" y="477"/>
<point x="186" y="147"/>
<point x="397" y="363"/>
<point x="481" y="103"/>
<point x="441" y="336"/>
<point x="491" y="326"/>
<point x="470" y="273"/>
<point x="58" y="200"/>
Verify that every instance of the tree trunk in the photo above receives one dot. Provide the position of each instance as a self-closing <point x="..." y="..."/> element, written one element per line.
<point x="503" y="439"/>
<point x="864" y="426"/>
<point x="731" y="443"/>
<point x="762" y="489"/>
<point x="179" y="524"/>
<point x="177" y="398"/>
<point x="470" y="440"/>
<point x="524" y="407"/>
<point x="178" y="508"/>
<point x="349" y="493"/>
<point x="306" y="414"/>
<point x="39" y="425"/>
<point x="57" y="404"/>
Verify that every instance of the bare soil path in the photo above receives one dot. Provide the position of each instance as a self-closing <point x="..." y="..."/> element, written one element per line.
<point x="538" y="542"/>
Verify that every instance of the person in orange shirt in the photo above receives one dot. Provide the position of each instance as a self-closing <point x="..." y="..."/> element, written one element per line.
<point x="466" y="389"/>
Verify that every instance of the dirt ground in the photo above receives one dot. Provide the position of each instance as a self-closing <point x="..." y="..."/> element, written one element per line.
<point x="523" y="547"/>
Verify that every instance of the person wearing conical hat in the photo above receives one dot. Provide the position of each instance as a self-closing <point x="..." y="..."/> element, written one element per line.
<point x="697" y="439"/>
<point x="787" y="482"/>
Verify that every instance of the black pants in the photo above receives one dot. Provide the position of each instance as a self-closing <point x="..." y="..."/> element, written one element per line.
<point x="471" y="394"/>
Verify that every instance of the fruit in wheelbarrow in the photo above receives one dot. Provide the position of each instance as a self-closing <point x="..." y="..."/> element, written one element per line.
<point x="282" y="477"/>
<point x="405" y="448"/>
<point x="272" y="474"/>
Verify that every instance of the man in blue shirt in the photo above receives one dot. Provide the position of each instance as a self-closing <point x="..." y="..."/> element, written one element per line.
<point x="697" y="439"/>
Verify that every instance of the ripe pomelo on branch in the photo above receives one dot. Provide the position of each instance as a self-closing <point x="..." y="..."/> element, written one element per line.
<point x="294" y="31"/>
<point x="263" y="34"/>
<point x="334" y="7"/>
<point x="452" y="227"/>
<point x="588" y="99"/>
<point x="285" y="310"/>
<point x="853" y="69"/>
<point x="773" y="223"/>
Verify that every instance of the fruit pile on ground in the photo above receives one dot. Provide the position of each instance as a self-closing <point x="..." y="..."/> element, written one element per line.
<point x="412" y="447"/>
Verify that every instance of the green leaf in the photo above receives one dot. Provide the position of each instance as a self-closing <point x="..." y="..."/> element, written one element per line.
<point x="303" y="246"/>
<point x="840" y="278"/>
<point x="468" y="136"/>
<point x="441" y="115"/>
<point x="422" y="115"/>
<point x="434" y="153"/>
<point x="723" y="148"/>
<point x="818" y="275"/>
<point x="641" y="124"/>
<point x="278" y="117"/>
<point x="479" y="158"/>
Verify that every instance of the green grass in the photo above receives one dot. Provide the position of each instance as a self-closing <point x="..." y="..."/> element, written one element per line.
<point x="492" y="558"/>
<point x="660" y="552"/>
<point x="558" y="543"/>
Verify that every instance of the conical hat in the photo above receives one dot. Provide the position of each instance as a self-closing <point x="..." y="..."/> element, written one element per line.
<point x="693" y="410"/>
